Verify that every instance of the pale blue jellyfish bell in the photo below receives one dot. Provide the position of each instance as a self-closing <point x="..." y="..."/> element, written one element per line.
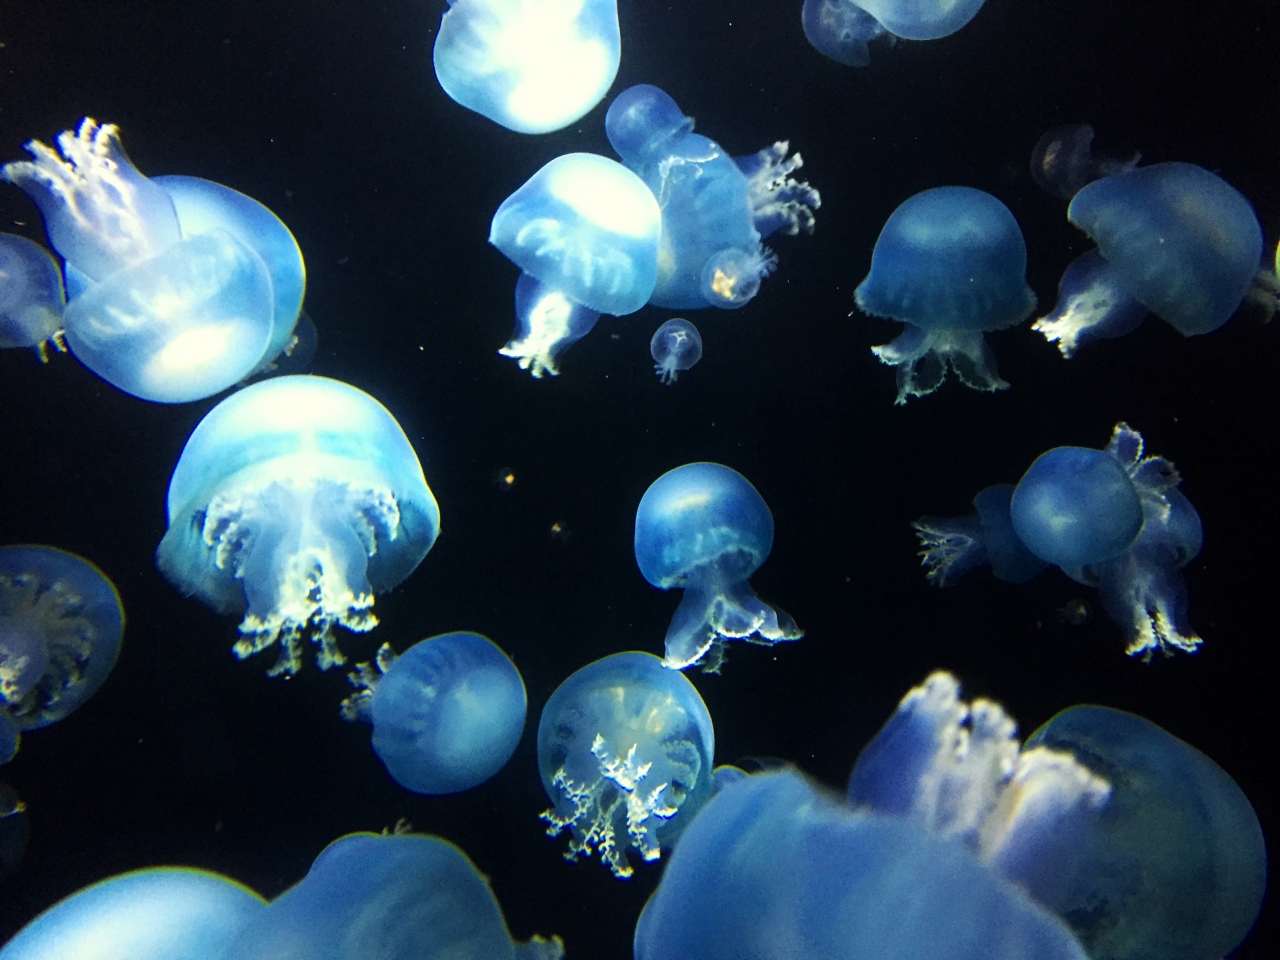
<point x="584" y="232"/>
<point x="950" y="547"/>
<point x="950" y="263"/>
<point x="532" y="66"/>
<point x="447" y="713"/>
<point x="676" y="346"/>
<point x="922" y="19"/>
<point x="31" y="295"/>
<point x="840" y="29"/>
<point x="625" y="749"/>
<point x="1063" y="161"/>
<point x="716" y="209"/>
<point x="704" y="529"/>
<point x="295" y="501"/>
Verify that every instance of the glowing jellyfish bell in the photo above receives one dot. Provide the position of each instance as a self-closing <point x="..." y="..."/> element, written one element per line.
<point x="676" y="346"/>
<point x="294" y="502"/>
<point x="31" y="294"/>
<point x="922" y="19"/>
<point x="840" y="29"/>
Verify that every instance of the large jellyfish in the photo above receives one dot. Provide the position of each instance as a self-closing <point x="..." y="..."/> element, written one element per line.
<point x="532" y="66"/>
<point x="61" y="622"/>
<point x="840" y="29"/>
<point x="1173" y="239"/>
<point x="1063" y="161"/>
<point x="705" y="529"/>
<point x="178" y="287"/>
<point x="716" y="209"/>
<point x="447" y="713"/>
<point x="402" y="896"/>
<point x="294" y="502"/>
<point x="31" y="295"/>
<point x="584" y="232"/>
<point x="625" y="748"/>
<point x="950" y="263"/>
<point x="676" y="346"/>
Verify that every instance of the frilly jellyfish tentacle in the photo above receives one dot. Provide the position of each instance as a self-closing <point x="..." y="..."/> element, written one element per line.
<point x="950" y="548"/>
<point x="922" y="357"/>
<point x="547" y="323"/>
<point x="1265" y="292"/>
<point x="31" y="296"/>
<point x="778" y="201"/>
<point x="1093" y="304"/>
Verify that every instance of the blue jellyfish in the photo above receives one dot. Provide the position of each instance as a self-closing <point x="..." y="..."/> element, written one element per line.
<point x="840" y="29"/>
<point x="447" y="714"/>
<point x="584" y="232"/>
<point x="625" y="750"/>
<point x="31" y="295"/>
<point x="402" y="896"/>
<point x="61" y="622"/>
<point x="1063" y="161"/>
<point x="162" y="913"/>
<point x="716" y="209"/>
<point x="705" y="529"/>
<point x="529" y="65"/>
<point x="295" y="500"/>
<point x="1173" y="867"/>
<point x="177" y="287"/>
<point x="950" y="263"/>
<point x="676" y="346"/>
<point x="1177" y="241"/>
<point x="952" y="546"/>
<point x="922" y="19"/>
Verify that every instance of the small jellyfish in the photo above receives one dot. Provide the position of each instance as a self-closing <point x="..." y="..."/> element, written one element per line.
<point x="716" y="209"/>
<point x="1076" y="612"/>
<point x="950" y="263"/>
<point x="1063" y="161"/>
<point x="61" y="622"/>
<point x="703" y="528"/>
<point x="504" y="478"/>
<point x="161" y="913"/>
<point x="584" y="232"/>
<point x="951" y="547"/>
<point x="31" y="295"/>
<point x="532" y="66"/>
<point x="625" y="750"/>
<point x="676" y="346"/>
<point x="447" y="713"/>
<point x="840" y="29"/>
<point x="294" y="502"/>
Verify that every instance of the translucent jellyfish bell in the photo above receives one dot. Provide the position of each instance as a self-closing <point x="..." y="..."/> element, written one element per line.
<point x="950" y="263"/>
<point x="625" y="749"/>
<point x="951" y="547"/>
<point x="840" y="29"/>
<point x="922" y="19"/>
<point x="532" y="66"/>
<point x="1063" y="161"/>
<point x="31" y="295"/>
<point x="447" y="713"/>
<point x="705" y="529"/>
<point x="294" y="502"/>
<point x="675" y="346"/>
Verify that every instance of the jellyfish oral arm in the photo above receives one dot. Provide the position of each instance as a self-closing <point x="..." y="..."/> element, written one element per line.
<point x="923" y="356"/>
<point x="950" y="547"/>
<point x="778" y="201"/>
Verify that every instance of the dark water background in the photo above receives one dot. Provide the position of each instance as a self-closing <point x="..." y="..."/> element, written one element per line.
<point x="329" y="113"/>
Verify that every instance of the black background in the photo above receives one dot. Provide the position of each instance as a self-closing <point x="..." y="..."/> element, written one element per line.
<point x="329" y="113"/>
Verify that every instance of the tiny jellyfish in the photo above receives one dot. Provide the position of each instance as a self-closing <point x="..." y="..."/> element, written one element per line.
<point x="31" y="295"/>
<point x="840" y="29"/>
<point x="1172" y="239"/>
<point x="950" y="263"/>
<point x="61" y="622"/>
<point x="399" y="896"/>
<point x="447" y="713"/>
<point x="1074" y="613"/>
<point x="15" y="832"/>
<point x="584" y="232"/>
<point x="676" y="346"/>
<point x="1063" y="161"/>
<point x="294" y="502"/>
<point x="704" y="529"/>
<point x="177" y="287"/>
<point x="625" y="748"/>
<point x="161" y="913"/>
<point x="533" y="66"/>
<point x="504" y="478"/>
<point x="716" y="209"/>
<point x="559" y="530"/>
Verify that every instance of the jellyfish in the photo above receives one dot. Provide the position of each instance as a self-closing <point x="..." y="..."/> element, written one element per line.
<point x="584" y="232"/>
<point x="447" y="714"/>
<point x="676" y="346"/>
<point x="716" y="209"/>
<point x="177" y="287"/>
<point x="401" y="896"/>
<point x="1173" y="239"/>
<point x="1063" y="161"/>
<point x="922" y="19"/>
<point x="705" y="529"/>
<point x="61" y="622"/>
<point x="294" y="502"/>
<point x="532" y="66"/>
<point x="31" y="295"/>
<point x="625" y="748"/>
<point x="950" y="263"/>
<point x="161" y="913"/>
<point x="951" y="547"/>
<point x="840" y="29"/>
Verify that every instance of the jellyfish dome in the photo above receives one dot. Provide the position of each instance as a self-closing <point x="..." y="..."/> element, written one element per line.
<point x="625" y="749"/>
<point x="840" y="29"/>
<point x="922" y="19"/>
<point x="676" y="346"/>
<point x="162" y="913"/>
<point x="447" y="714"/>
<point x="61" y="622"/>
<point x="705" y="529"/>
<point x="584" y="230"/>
<point x="532" y="66"/>
<point x="31" y="295"/>
<point x="294" y="502"/>
<point x="950" y="263"/>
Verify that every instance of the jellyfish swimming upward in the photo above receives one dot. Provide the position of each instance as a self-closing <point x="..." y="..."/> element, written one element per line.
<point x="716" y="209"/>
<point x="676" y="346"/>
<point x="294" y="502"/>
<point x="31" y="295"/>
<point x="705" y="529"/>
